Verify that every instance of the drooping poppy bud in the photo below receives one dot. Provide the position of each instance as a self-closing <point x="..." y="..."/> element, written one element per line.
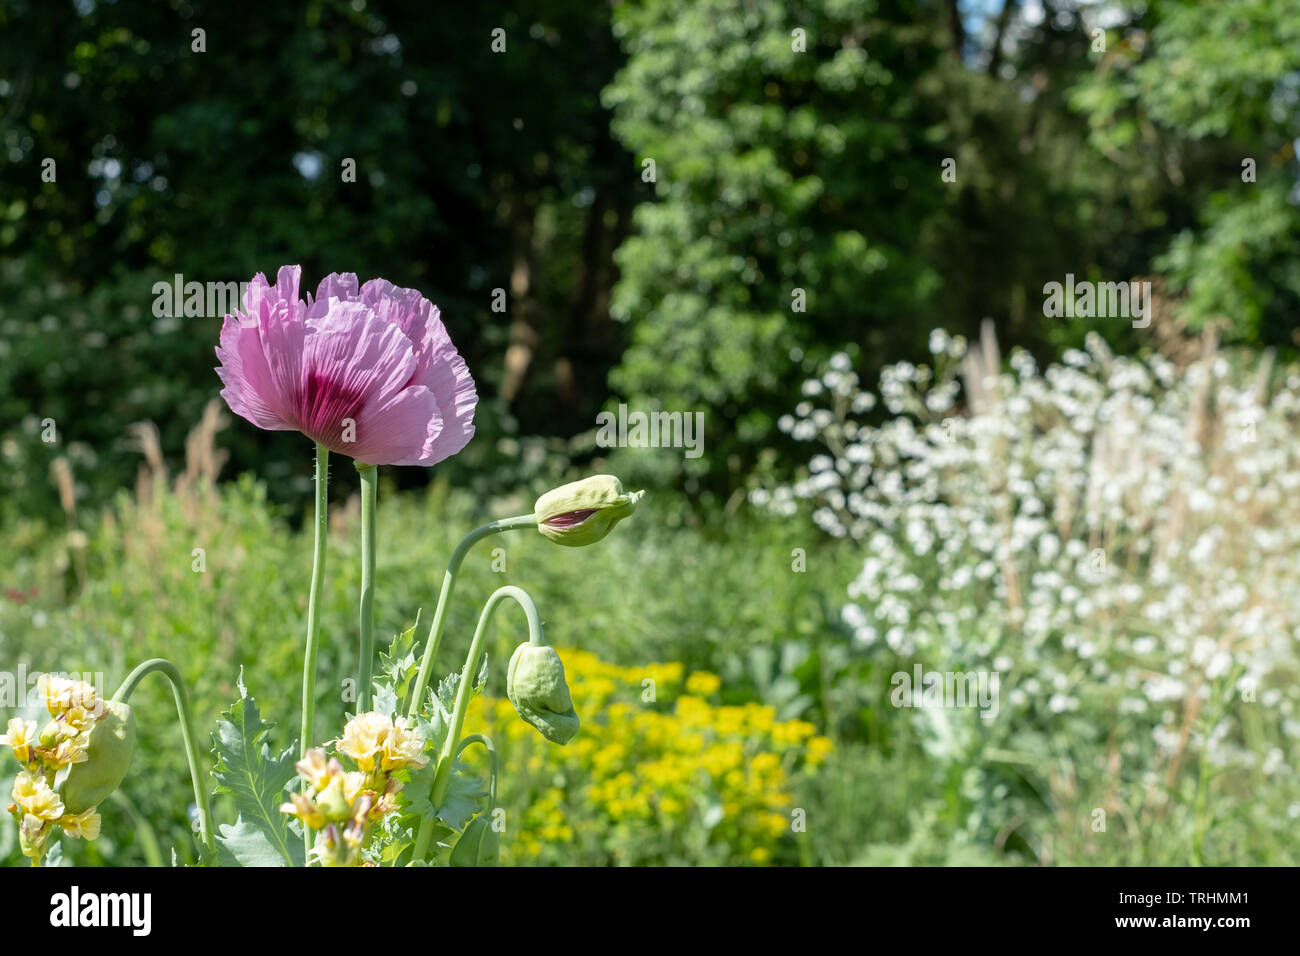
<point x="108" y="756"/>
<point x="583" y="512"/>
<point x="535" y="685"/>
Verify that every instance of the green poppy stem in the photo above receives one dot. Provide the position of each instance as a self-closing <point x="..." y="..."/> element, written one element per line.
<point x="464" y="693"/>
<point x="448" y="585"/>
<point x="168" y="670"/>
<point x="493" y="764"/>
<point x="308" y="734"/>
<point x="369" y="488"/>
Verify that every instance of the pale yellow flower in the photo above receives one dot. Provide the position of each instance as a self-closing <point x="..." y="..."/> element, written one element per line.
<point x="61" y="694"/>
<point x="79" y="720"/>
<point x="334" y="801"/>
<point x="404" y="747"/>
<point x="353" y="783"/>
<point x="69" y="751"/>
<point x="20" y="735"/>
<point x="302" y="807"/>
<point x="314" y="768"/>
<point x="36" y="798"/>
<point x="83" y="825"/>
<point x="364" y="737"/>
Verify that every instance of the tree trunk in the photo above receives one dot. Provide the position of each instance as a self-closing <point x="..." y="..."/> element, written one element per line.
<point x="523" y="332"/>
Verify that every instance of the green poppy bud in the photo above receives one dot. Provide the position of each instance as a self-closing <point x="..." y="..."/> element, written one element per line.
<point x="583" y="512"/>
<point x="112" y="739"/>
<point x="535" y="685"/>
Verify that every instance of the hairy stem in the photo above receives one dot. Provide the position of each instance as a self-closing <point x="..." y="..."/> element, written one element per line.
<point x="369" y="484"/>
<point x="308" y="733"/>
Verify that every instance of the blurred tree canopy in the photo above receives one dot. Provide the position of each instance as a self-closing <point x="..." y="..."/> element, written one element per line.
<point x="780" y="170"/>
<point x="797" y="201"/>
<point x="475" y="170"/>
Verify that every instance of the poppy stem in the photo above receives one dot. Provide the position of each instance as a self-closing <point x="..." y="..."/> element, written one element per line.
<point x="448" y="585"/>
<point x="168" y="670"/>
<point x="308" y="733"/>
<point x="369" y="487"/>
<point x="313" y="602"/>
<point x="486" y="741"/>
<point x="464" y="694"/>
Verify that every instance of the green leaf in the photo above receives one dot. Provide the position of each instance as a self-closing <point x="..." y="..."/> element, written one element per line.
<point x="385" y="699"/>
<point x="398" y="663"/>
<point x="463" y="798"/>
<point x="245" y="844"/>
<point x="416" y="792"/>
<point x="392" y="838"/>
<point x="441" y="705"/>
<point x="477" y="846"/>
<point x="247" y="770"/>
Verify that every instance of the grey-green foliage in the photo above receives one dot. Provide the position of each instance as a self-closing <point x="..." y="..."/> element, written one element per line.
<point x="254" y="776"/>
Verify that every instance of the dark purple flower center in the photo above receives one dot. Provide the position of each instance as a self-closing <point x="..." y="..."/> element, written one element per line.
<point x="322" y="407"/>
<point x="571" y="518"/>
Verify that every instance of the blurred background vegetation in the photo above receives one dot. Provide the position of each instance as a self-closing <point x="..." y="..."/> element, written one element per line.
<point x="795" y="146"/>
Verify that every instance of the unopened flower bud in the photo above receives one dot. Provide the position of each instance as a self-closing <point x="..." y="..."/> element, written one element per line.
<point x="32" y="834"/>
<point x="535" y="685"/>
<point x="333" y="801"/>
<point x="50" y="735"/>
<point x="583" y="512"/>
<point x="108" y="756"/>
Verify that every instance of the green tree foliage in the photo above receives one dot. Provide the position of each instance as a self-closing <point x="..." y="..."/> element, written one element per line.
<point x="826" y="173"/>
<point x="1205" y="98"/>
<point x="475" y="169"/>
<point x="797" y="157"/>
<point x="822" y="170"/>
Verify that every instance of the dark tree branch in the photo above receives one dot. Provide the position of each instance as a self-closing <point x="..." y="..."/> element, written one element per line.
<point x="1004" y="20"/>
<point x="955" y="27"/>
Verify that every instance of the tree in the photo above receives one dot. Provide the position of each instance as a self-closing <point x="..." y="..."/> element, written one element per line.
<point x="797" y="165"/>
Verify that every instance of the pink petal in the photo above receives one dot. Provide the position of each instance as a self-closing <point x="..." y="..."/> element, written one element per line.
<point x="441" y="368"/>
<point x="337" y="285"/>
<point x="453" y="387"/>
<point x="250" y="390"/>
<point x="373" y="364"/>
<point x="352" y="362"/>
<point x="397" y="432"/>
<point x="283" y="337"/>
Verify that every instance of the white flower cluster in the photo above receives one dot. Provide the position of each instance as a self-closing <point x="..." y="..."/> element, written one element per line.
<point x="1119" y="537"/>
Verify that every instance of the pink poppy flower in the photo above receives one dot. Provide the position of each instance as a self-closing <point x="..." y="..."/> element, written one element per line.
<point x="370" y="373"/>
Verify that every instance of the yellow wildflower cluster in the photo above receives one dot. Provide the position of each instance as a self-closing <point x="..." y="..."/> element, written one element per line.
<point x="658" y="774"/>
<point x="341" y="805"/>
<point x="74" y="708"/>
